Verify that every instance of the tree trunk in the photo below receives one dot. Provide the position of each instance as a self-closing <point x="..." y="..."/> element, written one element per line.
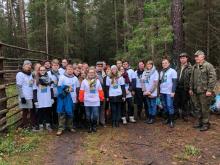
<point x="46" y="28"/>
<point x="116" y="25"/>
<point x="208" y="3"/>
<point x="125" y="24"/>
<point x="66" y="46"/>
<point x="177" y="23"/>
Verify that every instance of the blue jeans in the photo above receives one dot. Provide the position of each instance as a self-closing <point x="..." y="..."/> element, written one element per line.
<point x="92" y="113"/>
<point x="116" y="111"/>
<point x="152" y="106"/>
<point x="167" y="102"/>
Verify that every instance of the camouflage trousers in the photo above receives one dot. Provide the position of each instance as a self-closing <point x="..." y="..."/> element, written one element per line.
<point x="201" y="103"/>
<point x="65" y="121"/>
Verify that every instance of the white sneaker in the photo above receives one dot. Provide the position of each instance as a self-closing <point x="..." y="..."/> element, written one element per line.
<point x="41" y="127"/>
<point x="131" y="119"/>
<point x="124" y="121"/>
<point x="48" y="127"/>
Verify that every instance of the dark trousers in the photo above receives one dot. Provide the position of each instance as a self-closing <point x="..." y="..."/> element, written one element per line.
<point x="116" y="111"/>
<point x="54" y="113"/>
<point x="33" y="117"/>
<point x="44" y="115"/>
<point x="140" y="100"/>
<point x="79" y="115"/>
<point x="129" y="110"/>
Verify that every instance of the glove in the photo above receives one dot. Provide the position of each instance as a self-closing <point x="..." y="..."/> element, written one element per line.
<point x="23" y="101"/>
<point x="36" y="104"/>
<point x="52" y="101"/>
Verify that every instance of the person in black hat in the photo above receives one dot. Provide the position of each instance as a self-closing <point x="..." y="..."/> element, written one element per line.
<point x="183" y="77"/>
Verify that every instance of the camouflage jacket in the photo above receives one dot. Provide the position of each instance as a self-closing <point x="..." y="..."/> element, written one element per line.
<point x="203" y="78"/>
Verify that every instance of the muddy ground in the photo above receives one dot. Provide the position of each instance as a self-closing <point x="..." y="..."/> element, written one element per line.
<point x="138" y="144"/>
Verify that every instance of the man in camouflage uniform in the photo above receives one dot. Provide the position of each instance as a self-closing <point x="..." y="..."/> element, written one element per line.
<point x="202" y="83"/>
<point x="182" y="97"/>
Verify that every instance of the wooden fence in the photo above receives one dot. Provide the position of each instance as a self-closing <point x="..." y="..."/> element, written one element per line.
<point x="11" y="59"/>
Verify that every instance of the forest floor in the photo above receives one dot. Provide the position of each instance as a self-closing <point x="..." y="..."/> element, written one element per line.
<point x="133" y="144"/>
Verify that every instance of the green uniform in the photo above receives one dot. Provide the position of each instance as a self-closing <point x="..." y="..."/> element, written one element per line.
<point x="203" y="79"/>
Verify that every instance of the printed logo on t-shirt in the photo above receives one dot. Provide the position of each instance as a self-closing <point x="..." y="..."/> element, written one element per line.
<point x="43" y="89"/>
<point x="164" y="79"/>
<point x="71" y="88"/>
<point x="30" y="83"/>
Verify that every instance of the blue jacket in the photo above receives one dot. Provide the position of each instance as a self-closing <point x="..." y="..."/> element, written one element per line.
<point x="64" y="101"/>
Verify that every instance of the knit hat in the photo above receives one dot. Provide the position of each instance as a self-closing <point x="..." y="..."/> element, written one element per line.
<point x="27" y="62"/>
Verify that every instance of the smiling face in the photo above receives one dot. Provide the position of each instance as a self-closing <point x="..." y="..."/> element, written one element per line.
<point x="183" y="60"/>
<point x="69" y="69"/>
<point x="125" y="65"/>
<point x="149" y="66"/>
<point x="91" y="73"/>
<point x="165" y="64"/>
<point x="55" y="66"/>
<point x="42" y="70"/>
<point x="141" y="65"/>
<point x="114" y="70"/>
<point x="27" y="67"/>
<point x="122" y="70"/>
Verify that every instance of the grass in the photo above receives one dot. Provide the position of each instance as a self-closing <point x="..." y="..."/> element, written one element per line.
<point x="17" y="147"/>
<point x="188" y="152"/>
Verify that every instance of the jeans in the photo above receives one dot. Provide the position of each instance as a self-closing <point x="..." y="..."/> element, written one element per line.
<point x="116" y="111"/>
<point x="152" y="106"/>
<point x="167" y="102"/>
<point x="92" y="113"/>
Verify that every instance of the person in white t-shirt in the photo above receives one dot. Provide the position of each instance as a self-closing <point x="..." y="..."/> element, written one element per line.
<point x="116" y="94"/>
<point x="43" y="99"/>
<point x="130" y="107"/>
<point x="68" y="89"/>
<point x="168" y="81"/>
<point x="24" y="83"/>
<point x="62" y="69"/>
<point x="150" y="90"/>
<point x="91" y="94"/>
<point x="54" y="75"/>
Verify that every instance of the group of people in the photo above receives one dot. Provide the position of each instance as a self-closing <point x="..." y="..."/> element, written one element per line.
<point x="67" y="96"/>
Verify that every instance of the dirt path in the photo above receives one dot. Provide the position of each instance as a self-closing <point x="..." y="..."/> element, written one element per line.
<point x="139" y="143"/>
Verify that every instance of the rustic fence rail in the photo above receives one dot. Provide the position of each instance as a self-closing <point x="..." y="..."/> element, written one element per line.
<point x="11" y="58"/>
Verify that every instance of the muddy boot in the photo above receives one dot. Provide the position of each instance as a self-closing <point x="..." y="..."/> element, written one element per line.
<point x="148" y="119"/>
<point x="89" y="124"/>
<point x="171" y="123"/>
<point x="198" y="124"/>
<point x="124" y="121"/>
<point x="131" y="119"/>
<point x="94" y="124"/>
<point x="167" y="120"/>
<point x="69" y="124"/>
<point x="113" y="124"/>
<point x="139" y="114"/>
<point x="205" y="127"/>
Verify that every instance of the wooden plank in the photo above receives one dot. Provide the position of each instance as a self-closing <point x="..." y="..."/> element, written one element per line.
<point x="4" y="111"/>
<point x="12" y="106"/>
<point x="7" y="98"/>
<point x="13" y="114"/>
<point x="8" y="71"/>
<point x="3" y="120"/>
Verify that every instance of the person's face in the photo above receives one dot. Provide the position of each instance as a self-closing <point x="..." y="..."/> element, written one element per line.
<point x="165" y="64"/>
<point x="64" y="63"/>
<point x="27" y="67"/>
<point x="47" y="65"/>
<point x="183" y="60"/>
<point x="119" y="64"/>
<point x="149" y="66"/>
<point x="199" y="58"/>
<point x="69" y="70"/>
<point x="91" y="73"/>
<point x="122" y="70"/>
<point x="141" y="65"/>
<point x="55" y="67"/>
<point x="108" y="71"/>
<point x="83" y="74"/>
<point x="99" y="67"/>
<point x="42" y="70"/>
<point x="85" y="66"/>
<point x="125" y="65"/>
<point x="114" y="70"/>
<point x="36" y="67"/>
<point x="77" y="72"/>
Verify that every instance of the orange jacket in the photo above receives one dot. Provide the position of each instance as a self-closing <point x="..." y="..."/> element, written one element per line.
<point x="82" y="92"/>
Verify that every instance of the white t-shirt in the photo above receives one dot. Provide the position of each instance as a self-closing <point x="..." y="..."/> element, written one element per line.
<point x="115" y="88"/>
<point x="61" y="71"/>
<point x="131" y="74"/>
<point x="139" y="80"/>
<point x="26" y="81"/>
<point x="149" y="83"/>
<point x="167" y="84"/>
<point x="72" y="82"/>
<point x="55" y="80"/>
<point x="91" y="95"/>
<point x="43" y="96"/>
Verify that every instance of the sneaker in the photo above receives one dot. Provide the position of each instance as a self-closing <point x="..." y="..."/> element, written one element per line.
<point x="205" y="127"/>
<point x="48" y="127"/>
<point x="59" y="132"/>
<point x="131" y="119"/>
<point x="124" y="121"/>
<point x="41" y="127"/>
<point x="72" y="130"/>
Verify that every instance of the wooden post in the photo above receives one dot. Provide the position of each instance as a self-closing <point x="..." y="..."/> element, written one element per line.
<point x="3" y="105"/>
